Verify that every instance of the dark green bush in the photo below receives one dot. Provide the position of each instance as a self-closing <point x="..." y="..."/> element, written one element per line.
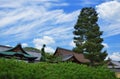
<point x="13" y="69"/>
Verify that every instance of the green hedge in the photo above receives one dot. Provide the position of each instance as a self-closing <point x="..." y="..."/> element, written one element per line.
<point x="13" y="69"/>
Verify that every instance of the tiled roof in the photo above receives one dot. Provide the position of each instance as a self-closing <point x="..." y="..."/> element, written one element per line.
<point x="114" y="64"/>
<point x="4" y="48"/>
<point x="38" y="55"/>
<point x="17" y="53"/>
<point x="17" y="50"/>
<point x="68" y="53"/>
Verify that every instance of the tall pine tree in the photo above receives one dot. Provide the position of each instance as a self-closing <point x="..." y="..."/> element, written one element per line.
<point x="87" y="36"/>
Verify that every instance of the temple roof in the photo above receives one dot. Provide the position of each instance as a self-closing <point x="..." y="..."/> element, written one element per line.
<point x="67" y="54"/>
<point x="17" y="48"/>
<point x="4" y="48"/>
<point x="17" y="51"/>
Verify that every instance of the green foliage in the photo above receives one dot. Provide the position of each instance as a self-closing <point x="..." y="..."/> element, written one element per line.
<point x="48" y="55"/>
<point x="13" y="69"/>
<point x="32" y="49"/>
<point x="87" y="36"/>
<point x="54" y="59"/>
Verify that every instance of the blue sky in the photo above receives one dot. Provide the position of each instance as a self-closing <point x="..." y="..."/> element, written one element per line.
<point x="37" y="22"/>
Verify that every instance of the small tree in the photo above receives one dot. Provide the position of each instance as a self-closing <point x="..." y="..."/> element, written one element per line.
<point x="87" y="36"/>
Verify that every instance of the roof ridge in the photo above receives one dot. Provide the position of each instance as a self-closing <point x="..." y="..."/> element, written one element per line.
<point x="65" y="49"/>
<point x="5" y="46"/>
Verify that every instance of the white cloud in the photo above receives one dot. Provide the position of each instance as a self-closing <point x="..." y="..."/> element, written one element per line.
<point x="72" y="44"/>
<point x="49" y="50"/>
<point x="25" y="20"/>
<point x="45" y="40"/>
<point x="8" y="45"/>
<point x="108" y="10"/>
<point x="32" y="18"/>
<point x="17" y="4"/>
<point x="109" y="13"/>
<point x="115" y="56"/>
<point x="105" y="45"/>
<point x="24" y="44"/>
<point x="38" y="42"/>
<point x="63" y="18"/>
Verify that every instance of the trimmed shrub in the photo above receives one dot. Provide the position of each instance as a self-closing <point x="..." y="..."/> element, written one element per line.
<point x="13" y="69"/>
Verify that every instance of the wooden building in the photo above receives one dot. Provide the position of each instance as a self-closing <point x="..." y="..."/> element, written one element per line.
<point x="114" y="65"/>
<point x="16" y="52"/>
<point x="68" y="55"/>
